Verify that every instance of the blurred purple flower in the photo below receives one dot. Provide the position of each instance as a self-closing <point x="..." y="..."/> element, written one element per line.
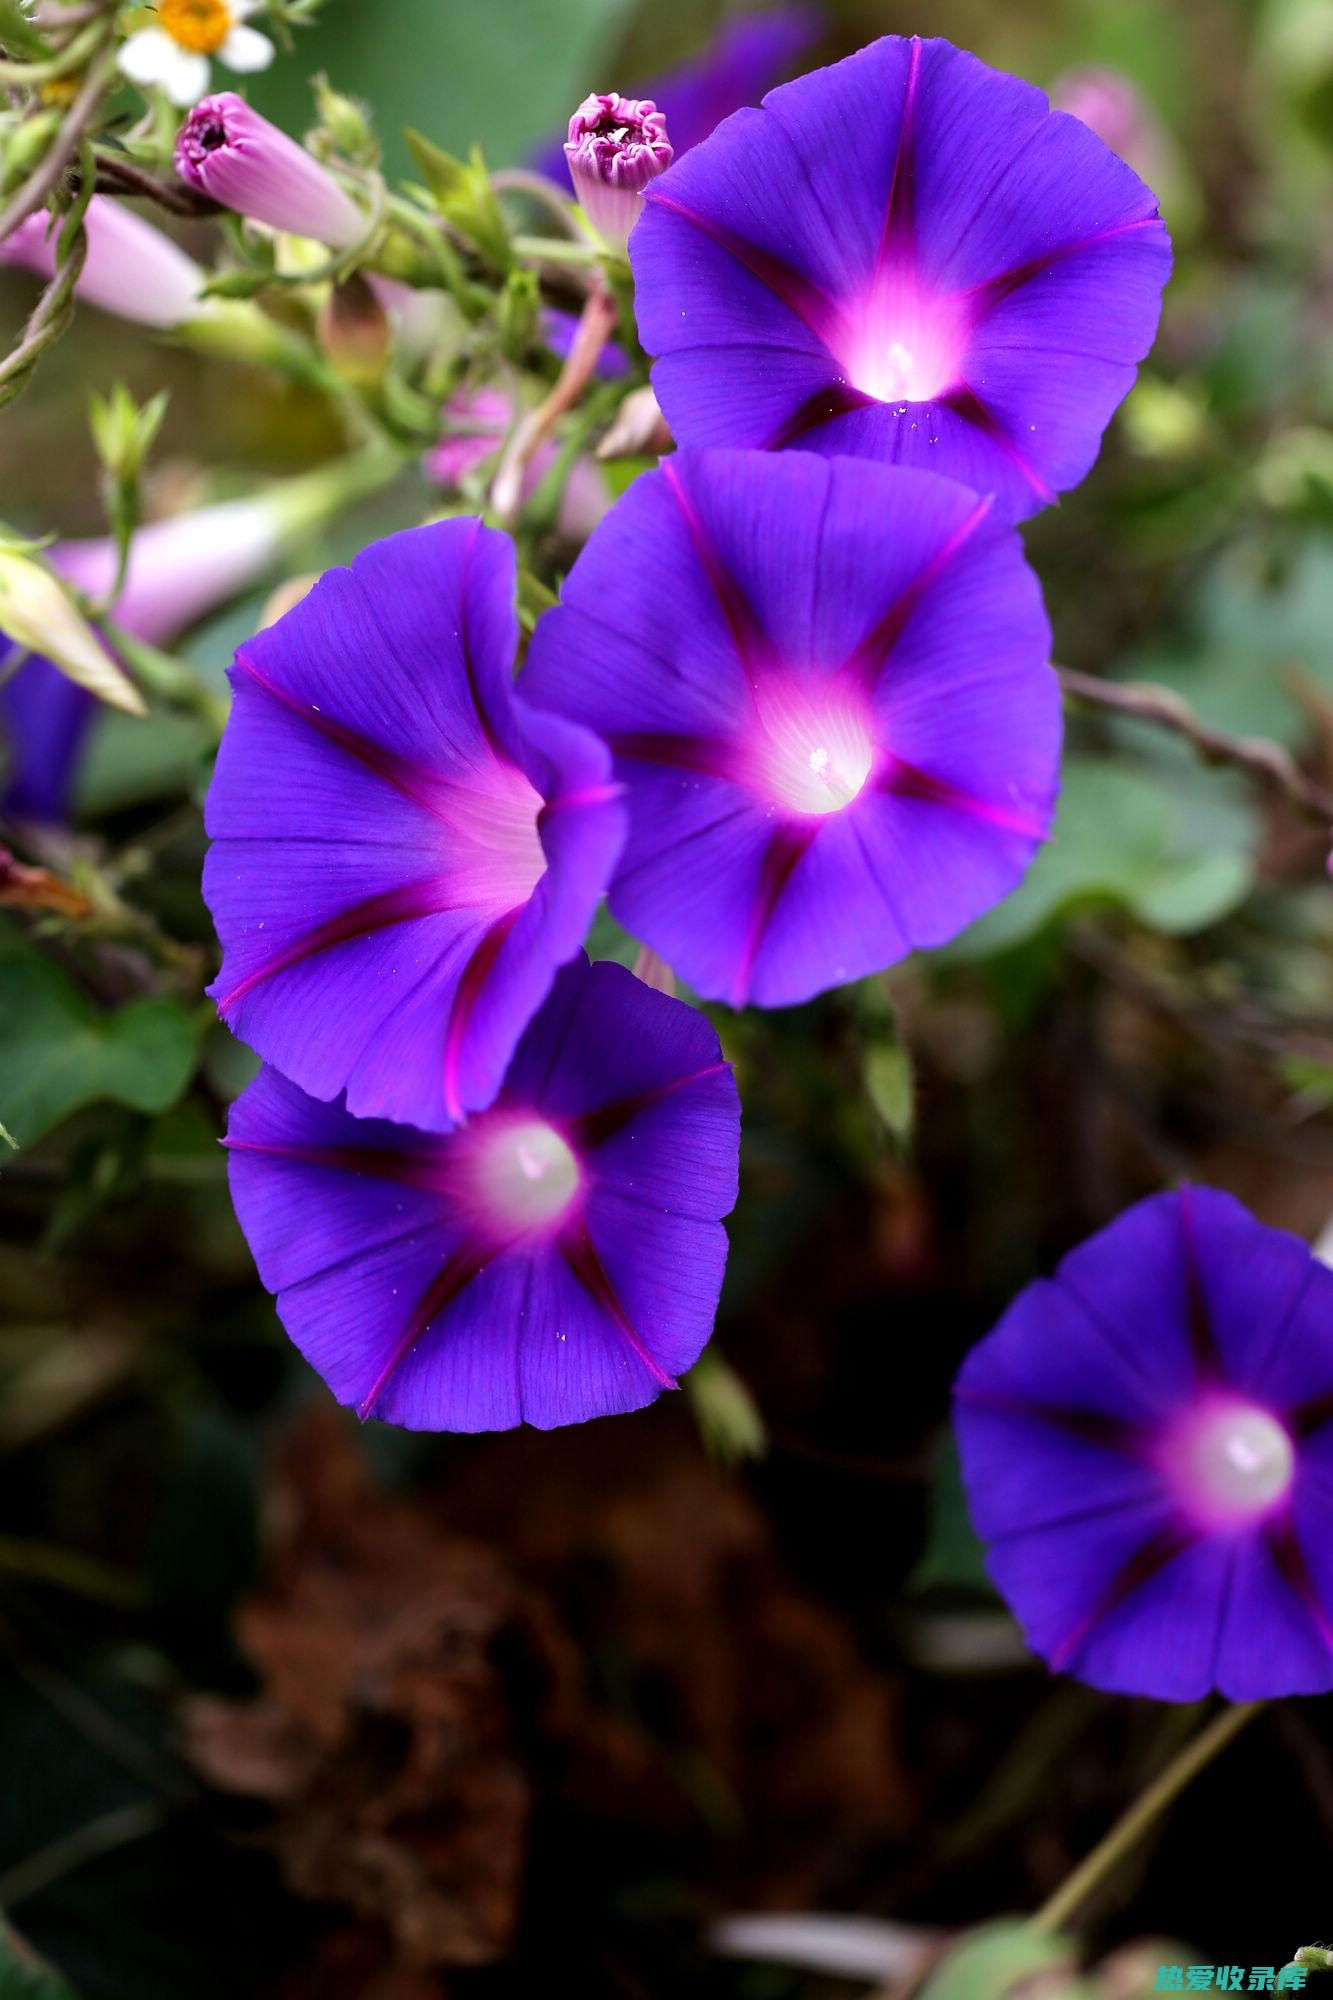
<point x="746" y="57"/>
<point x="558" y="1258"/>
<point x="906" y="257"/>
<point x="404" y="851"/>
<point x="178" y="570"/>
<point x="826" y="686"/>
<point x="477" y="422"/>
<point x="248" y="164"/>
<point x="558" y="330"/>
<point x="131" y="268"/>
<point x="1111" y="105"/>
<point x="616" y="147"/>
<point x="1147" y="1447"/>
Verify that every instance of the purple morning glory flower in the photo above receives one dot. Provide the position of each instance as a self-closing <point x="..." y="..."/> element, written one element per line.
<point x="557" y="1258"/>
<point x="745" y="57"/>
<point x="827" y="690"/>
<point x="908" y="257"/>
<point x="404" y="851"/>
<point x="1147" y="1447"/>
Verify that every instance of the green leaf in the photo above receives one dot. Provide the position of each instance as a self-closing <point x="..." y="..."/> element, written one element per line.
<point x="1002" y="1962"/>
<point x="1174" y="848"/>
<point x="236" y="284"/>
<point x="1256" y="633"/>
<point x="18" y="34"/>
<point x="953" y="1558"/>
<point x="891" y="1085"/>
<point x="607" y="939"/>
<point x="25" y="1976"/>
<point x="130" y="762"/>
<point x="726" y="1413"/>
<point x="464" y="196"/>
<point x="62" y="1052"/>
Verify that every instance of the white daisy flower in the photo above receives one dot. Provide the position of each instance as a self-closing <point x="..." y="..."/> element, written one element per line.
<point x="175" y="53"/>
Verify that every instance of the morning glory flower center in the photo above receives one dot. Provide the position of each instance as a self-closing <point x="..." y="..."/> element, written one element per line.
<point x="1233" y="1463"/>
<point x="526" y="1174"/>
<point x="904" y="344"/>
<point x="499" y="859"/>
<point x="813" y="751"/>
<point x="201" y="26"/>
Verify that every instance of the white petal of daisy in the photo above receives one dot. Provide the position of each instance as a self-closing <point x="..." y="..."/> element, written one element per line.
<point x="245" y="49"/>
<point x="146" y="56"/>
<point x="241" y="10"/>
<point x="186" y="79"/>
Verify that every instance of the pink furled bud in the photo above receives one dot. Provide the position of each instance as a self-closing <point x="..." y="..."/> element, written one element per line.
<point x="131" y="267"/>
<point x="616" y="145"/>
<point x="244" y="161"/>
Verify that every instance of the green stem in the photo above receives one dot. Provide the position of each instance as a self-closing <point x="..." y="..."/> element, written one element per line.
<point x="74" y="56"/>
<point x="1130" y="1828"/>
<point x="69" y="1569"/>
<point x="306" y="501"/>
<point x="75" y="1850"/>
<point x="557" y="250"/>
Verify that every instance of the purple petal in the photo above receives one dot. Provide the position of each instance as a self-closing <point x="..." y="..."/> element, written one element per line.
<point x="906" y="256"/>
<point x="1155" y="1515"/>
<point x="559" y="329"/>
<point x="841" y="745"/>
<point x="1123" y="1604"/>
<point x="1275" y="1623"/>
<point x="1266" y="1300"/>
<point x="46" y="722"/>
<point x="397" y="1282"/>
<point x="394" y="906"/>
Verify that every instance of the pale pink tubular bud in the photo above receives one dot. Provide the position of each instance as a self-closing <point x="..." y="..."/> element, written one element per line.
<point x="616" y="145"/>
<point x="248" y="164"/>
<point x="131" y="268"/>
<point x="180" y="568"/>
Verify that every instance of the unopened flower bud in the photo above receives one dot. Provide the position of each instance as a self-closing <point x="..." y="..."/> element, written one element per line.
<point x="638" y="429"/>
<point x="616" y="145"/>
<point x="26" y="143"/>
<point x="244" y="161"/>
<point x="37" y="613"/>
<point x="346" y="122"/>
<point x="123" y="432"/>
<point x="131" y="268"/>
<point x="354" y="331"/>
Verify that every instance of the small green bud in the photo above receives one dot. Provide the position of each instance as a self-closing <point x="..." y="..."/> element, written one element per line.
<point x="519" y="312"/>
<point x="123" y="432"/>
<point x="27" y="143"/>
<point x="729" y="1422"/>
<point x="347" y="123"/>
<point x="1318" y="1957"/>
<point x="462" y="192"/>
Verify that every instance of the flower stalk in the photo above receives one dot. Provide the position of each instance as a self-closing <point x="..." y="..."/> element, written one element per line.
<point x="1131" y="1827"/>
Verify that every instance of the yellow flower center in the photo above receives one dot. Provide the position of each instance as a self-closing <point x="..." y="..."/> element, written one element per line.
<point x="201" y="26"/>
